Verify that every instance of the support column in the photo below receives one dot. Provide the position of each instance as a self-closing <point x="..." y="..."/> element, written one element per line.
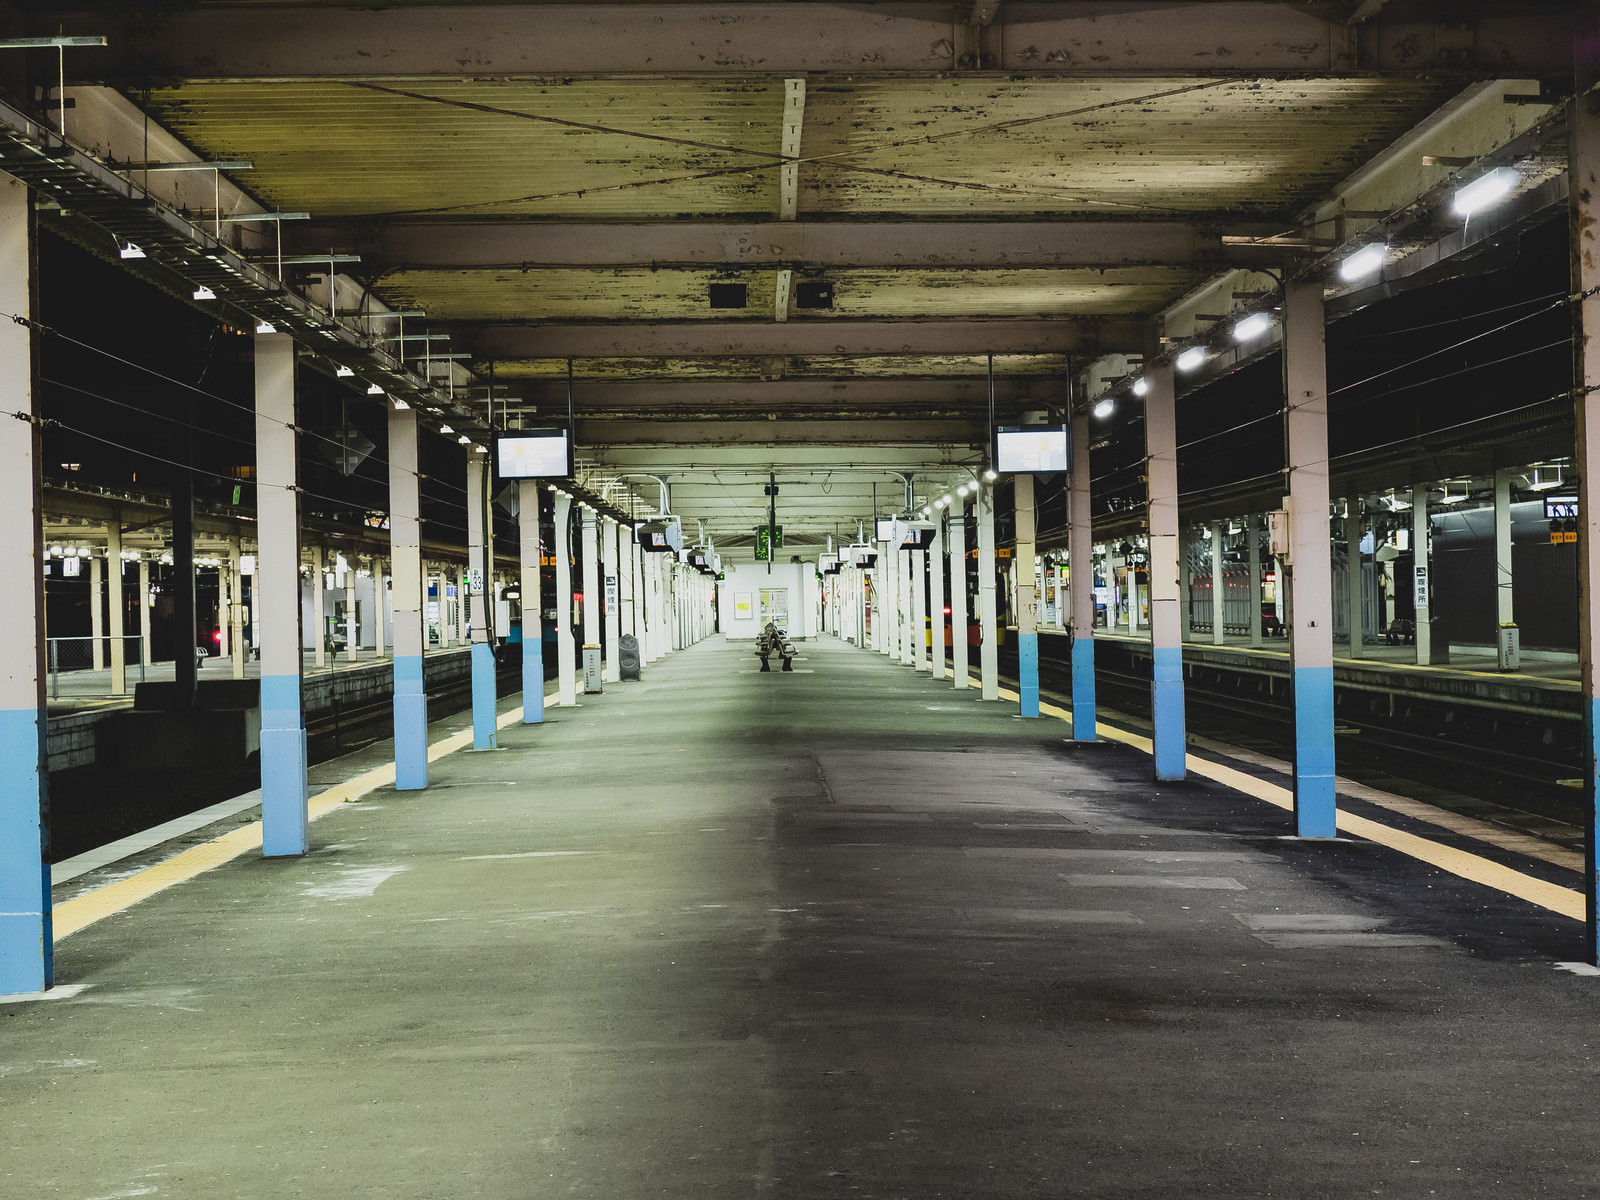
<point x="352" y="627"/>
<point x="988" y="650"/>
<point x="628" y="569"/>
<point x="1352" y="557"/>
<point x="591" y="578"/>
<point x="1027" y="596"/>
<point x="566" y="649"/>
<point x="1253" y="547"/>
<point x="1219" y="589"/>
<point x="1583" y="139"/>
<point x="119" y="605"/>
<point x="902" y="567"/>
<point x="959" y="666"/>
<point x="889" y="600"/>
<point x="1186" y="602"/>
<point x="1310" y="567"/>
<point x="277" y="586"/>
<point x="532" y="602"/>
<point x="1166" y="644"/>
<point x="224" y="640"/>
<point x="919" y="610"/>
<point x="410" y="633"/>
<point x="235" y="615"/>
<point x="144" y="612"/>
<point x="1080" y="561"/>
<point x="97" y="608"/>
<point x="319" y="600"/>
<point x="936" y="598"/>
<point x="1507" y="648"/>
<point x="613" y="601"/>
<point x="27" y="959"/>
<point x="484" y="697"/>
<point x="1421" y="573"/>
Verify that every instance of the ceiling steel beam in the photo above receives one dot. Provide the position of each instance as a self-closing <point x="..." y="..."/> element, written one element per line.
<point x="1230" y="38"/>
<point x="759" y="397"/>
<point x="810" y="337"/>
<point x="514" y="245"/>
<point x="700" y="435"/>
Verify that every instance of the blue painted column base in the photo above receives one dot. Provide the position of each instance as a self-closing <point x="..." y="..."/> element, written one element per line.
<point x="283" y="767"/>
<point x="483" y="697"/>
<point x="27" y="941"/>
<point x="1167" y="716"/>
<point x="532" y="681"/>
<point x="1028" y="673"/>
<point x="1315" y="802"/>
<point x="1083" y="714"/>
<point x="410" y="725"/>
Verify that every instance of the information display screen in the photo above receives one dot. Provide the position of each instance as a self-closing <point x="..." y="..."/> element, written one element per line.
<point x="534" y="454"/>
<point x="1030" y="450"/>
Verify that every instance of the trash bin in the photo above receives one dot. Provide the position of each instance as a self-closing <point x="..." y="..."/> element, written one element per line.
<point x="628" y="662"/>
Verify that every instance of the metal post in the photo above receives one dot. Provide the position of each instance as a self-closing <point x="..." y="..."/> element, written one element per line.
<point x="319" y="587"/>
<point x="1507" y="649"/>
<point x="1166" y="644"/>
<point x="283" y="729"/>
<point x="936" y="576"/>
<point x="1310" y="567"/>
<point x="97" y="608"/>
<point x="989" y="649"/>
<point x="1027" y="597"/>
<point x="959" y="667"/>
<point x="1253" y="547"/>
<point x="352" y="627"/>
<point x="118" y="607"/>
<point x="27" y="959"/>
<point x="1352" y="556"/>
<point x="566" y="650"/>
<point x="484" y="735"/>
<point x="410" y="634"/>
<point x="1219" y="587"/>
<point x="532" y="602"/>
<point x="1080" y="561"/>
<point x="234" y="618"/>
<point x="919" y="609"/>
<point x="1421" y="575"/>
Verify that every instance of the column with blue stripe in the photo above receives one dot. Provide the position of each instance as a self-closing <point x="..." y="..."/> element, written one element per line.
<point x="483" y="674"/>
<point x="1166" y="624"/>
<point x="1080" y="562"/>
<point x="1310" y="565"/>
<point x="405" y="552"/>
<point x="277" y="583"/>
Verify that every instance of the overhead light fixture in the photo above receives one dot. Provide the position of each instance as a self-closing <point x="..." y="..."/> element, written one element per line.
<point x="1191" y="359"/>
<point x="445" y="429"/>
<point x="400" y="405"/>
<point x="342" y="372"/>
<point x="1485" y="191"/>
<point x="464" y="440"/>
<point x="1447" y="498"/>
<point x="374" y="390"/>
<point x="204" y="293"/>
<point x="481" y="450"/>
<point x="129" y="250"/>
<point x="944" y="500"/>
<point x="1545" y="478"/>
<point x="1366" y="261"/>
<point x="989" y="475"/>
<point x="265" y="326"/>
<point x="1141" y="385"/>
<point x="1105" y="408"/>
<point x="1252" y="327"/>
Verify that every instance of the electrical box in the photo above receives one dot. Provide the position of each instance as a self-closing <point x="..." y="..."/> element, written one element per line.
<point x="1278" y="534"/>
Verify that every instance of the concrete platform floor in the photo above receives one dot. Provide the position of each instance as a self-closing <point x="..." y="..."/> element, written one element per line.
<point x="841" y="932"/>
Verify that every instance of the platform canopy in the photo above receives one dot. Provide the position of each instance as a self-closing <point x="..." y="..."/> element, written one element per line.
<point x="829" y="242"/>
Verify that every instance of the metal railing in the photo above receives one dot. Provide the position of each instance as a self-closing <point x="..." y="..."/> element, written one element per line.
<point x="82" y="656"/>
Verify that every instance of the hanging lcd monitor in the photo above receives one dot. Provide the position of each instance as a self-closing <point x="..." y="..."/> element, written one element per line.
<point x="1030" y="449"/>
<point x="534" y="454"/>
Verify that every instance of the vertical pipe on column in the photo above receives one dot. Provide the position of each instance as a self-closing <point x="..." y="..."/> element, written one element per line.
<point x="1310" y="558"/>
<point x="1583" y="157"/>
<point x="936" y="571"/>
<point x="119" y="605"/>
<point x="27" y="959"/>
<point x="528" y="551"/>
<point x="1253" y="550"/>
<point x="405" y="551"/>
<point x="484" y="693"/>
<point x="988" y="650"/>
<point x="1027" y="596"/>
<point x="1080" y="562"/>
<point x="1166" y="644"/>
<point x="613" y="600"/>
<point x="959" y="666"/>
<point x="277" y="586"/>
<point x="566" y="647"/>
<point x="1352" y="554"/>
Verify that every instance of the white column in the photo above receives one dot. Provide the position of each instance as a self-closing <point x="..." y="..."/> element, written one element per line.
<point x="1253" y="547"/>
<point x="97" y="604"/>
<point x="234" y="618"/>
<point x="628" y="567"/>
<point x="1507" y="646"/>
<point x="1027" y="593"/>
<point x="319" y="585"/>
<point x="26" y="937"/>
<point x="1219" y="590"/>
<point x="613" y="600"/>
<point x="224" y="593"/>
<point x="888" y="601"/>
<point x="144" y="611"/>
<point x="958" y="589"/>
<point x="936" y="571"/>
<point x="463" y="608"/>
<point x="989" y="650"/>
<point x="528" y="556"/>
<point x="352" y="628"/>
<point x="381" y="603"/>
<point x="480" y="572"/>
<point x="410" y="628"/>
<point x="919" y="609"/>
<point x="1352" y="536"/>
<point x="1421" y="581"/>
<point x="590" y="567"/>
<point x="1167" y="715"/>
<point x="566" y="649"/>
<point x="118" y="607"/>
<point x="283" y="730"/>
<point x="1080" y="555"/>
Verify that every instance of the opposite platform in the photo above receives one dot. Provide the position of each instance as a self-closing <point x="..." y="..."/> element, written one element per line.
<point x="836" y="932"/>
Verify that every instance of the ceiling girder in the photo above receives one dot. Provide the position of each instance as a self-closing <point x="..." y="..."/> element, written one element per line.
<point x="761" y="434"/>
<point x="759" y="397"/>
<point x="1117" y="37"/>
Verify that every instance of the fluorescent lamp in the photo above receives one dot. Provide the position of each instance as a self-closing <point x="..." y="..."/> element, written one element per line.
<point x="1485" y="191"/>
<point x="342" y="372"/>
<point x="445" y="429"/>
<point x="1105" y="408"/>
<point x="944" y="500"/>
<point x="1191" y="359"/>
<point x="400" y="405"/>
<point x="1366" y="261"/>
<point x="265" y="326"/>
<point x="374" y="390"/>
<point x="464" y="440"/>
<point x="204" y="293"/>
<point x="1141" y="385"/>
<point x="131" y="251"/>
<point x="1252" y="327"/>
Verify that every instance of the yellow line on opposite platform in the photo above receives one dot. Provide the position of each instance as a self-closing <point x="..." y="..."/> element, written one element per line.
<point x="84" y="910"/>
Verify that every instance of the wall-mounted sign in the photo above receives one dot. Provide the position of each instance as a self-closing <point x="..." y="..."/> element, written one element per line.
<point x="1560" y="508"/>
<point x="1419" y="586"/>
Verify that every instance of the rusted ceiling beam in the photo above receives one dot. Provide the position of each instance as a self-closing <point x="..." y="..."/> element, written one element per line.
<point x="757" y="398"/>
<point x="694" y="339"/>
<point x="777" y="244"/>
<point x="1116" y="37"/>
<point x="699" y="436"/>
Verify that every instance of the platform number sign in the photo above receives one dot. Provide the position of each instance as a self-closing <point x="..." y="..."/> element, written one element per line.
<point x="475" y="582"/>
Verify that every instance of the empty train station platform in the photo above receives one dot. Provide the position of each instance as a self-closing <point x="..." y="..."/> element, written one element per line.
<point x="844" y="931"/>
